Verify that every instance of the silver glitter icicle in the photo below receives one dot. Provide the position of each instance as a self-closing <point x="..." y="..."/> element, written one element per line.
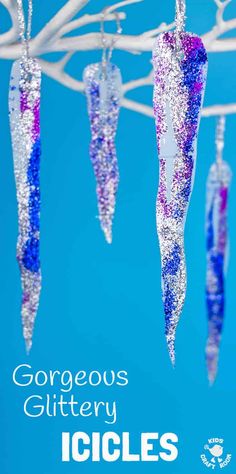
<point x="103" y="88"/>
<point x="24" y="110"/>
<point x="180" y="66"/>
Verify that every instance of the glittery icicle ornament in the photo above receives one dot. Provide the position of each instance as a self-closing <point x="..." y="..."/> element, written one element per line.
<point x="218" y="183"/>
<point x="24" y="110"/>
<point x="180" y="68"/>
<point x="103" y="87"/>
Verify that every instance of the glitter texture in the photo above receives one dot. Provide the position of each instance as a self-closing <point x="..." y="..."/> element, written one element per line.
<point x="217" y="246"/>
<point x="103" y="88"/>
<point x="180" y="67"/>
<point x="24" y="109"/>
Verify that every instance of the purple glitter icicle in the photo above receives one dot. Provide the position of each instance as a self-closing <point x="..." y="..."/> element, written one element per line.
<point x="217" y="248"/>
<point x="24" y="109"/>
<point x="180" y="67"/>
<point x="103" y="88"/>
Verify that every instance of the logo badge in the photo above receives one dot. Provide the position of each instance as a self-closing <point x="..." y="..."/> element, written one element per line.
<point x="214" y="456"/>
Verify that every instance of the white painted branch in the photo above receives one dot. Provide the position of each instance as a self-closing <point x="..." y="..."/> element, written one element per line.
<point x="52" y="39"/>
<point x="160" y="29"/>
<point x="56" y="71"/>
<point x="137" y="107"/>
<point x="86" y="42"/>
<point x="92" y="41"/>
<point x="65" y="14"/>
<point x="217" y="31"/>
<point x="221" y="6"/>
<point x="11" y="35"/>
<point x="222" y="46"/>
<point x="88" y="20"/>
<point x="144" y="81"/>
<point x="96" y="18"/>
<point x="121" y="4"/>
<point x="216" y="110"/>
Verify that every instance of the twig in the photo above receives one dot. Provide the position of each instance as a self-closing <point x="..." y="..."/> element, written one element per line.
<point x="52" y="39"/>
<point x="65" y="14"/>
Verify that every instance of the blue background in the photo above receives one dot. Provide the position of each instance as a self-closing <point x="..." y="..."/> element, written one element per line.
<point x="101" y="305"/>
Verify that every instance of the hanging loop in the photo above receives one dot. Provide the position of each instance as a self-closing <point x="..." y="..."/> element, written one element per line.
<point x="24" y="32"/>
<point x="179" y="26"/>
<point x="107" y="55"/>
<point x="180" y="15"/>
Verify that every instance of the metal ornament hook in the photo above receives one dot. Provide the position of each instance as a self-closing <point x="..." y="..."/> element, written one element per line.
<point x="180" y="15"/>
<point x="25" y="30"/>
<point x="107" y="53"/>
<point x="180" y="18"/>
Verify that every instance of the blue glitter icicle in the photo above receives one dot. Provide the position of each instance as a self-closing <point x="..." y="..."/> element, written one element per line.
<point x="24" y="109"/>
<point x="180" y="68"/>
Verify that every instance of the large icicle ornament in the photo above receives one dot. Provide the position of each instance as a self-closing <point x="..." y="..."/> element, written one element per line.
<point x="218" y="183"/>
<point x="24" y="109"/>
<point x="180" y="69"/>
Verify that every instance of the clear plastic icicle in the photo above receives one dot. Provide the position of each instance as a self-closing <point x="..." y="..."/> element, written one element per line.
<point x="218" y="183"/>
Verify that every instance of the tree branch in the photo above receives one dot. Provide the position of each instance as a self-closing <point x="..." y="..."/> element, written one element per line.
<point x="65" y="14"/>
<point x="88" y="20"/>
<point x="221" y="27"/>
<point x="56" y="71"/>
<point x="144" y="81"/>
<point x="11" y="35"/>
<point x="52" y="39"/>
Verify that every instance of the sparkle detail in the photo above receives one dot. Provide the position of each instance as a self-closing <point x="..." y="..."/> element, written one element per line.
<point x="103" y="87"/>
<point x="180" y="68"/>
<point x="24" y="110"/>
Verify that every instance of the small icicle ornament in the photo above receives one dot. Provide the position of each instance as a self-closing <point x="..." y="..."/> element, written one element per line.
<point x="218" y="183"/>
<point x="103" y="87"/>
<point x="180" y="69"/>
<point x="24" y="110"/>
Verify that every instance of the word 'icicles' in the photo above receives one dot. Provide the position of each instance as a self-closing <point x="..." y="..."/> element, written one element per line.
<point x="180" y="67"/>
<point x="103" y="88"/>
<point x="24" y="107"/>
